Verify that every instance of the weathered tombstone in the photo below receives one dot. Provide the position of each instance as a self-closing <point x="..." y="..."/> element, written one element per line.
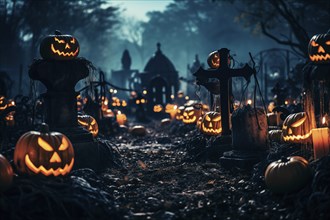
<point x="249" y="134"/>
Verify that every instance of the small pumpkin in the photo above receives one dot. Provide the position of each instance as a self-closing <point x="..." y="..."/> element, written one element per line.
<point x="89" y="123"/>
<point x="213" y="60"/>
<point x="319" y="48"/>
<point x="191" y="115"/>
<point x="121" y="118"/>
<point x="158" y="108"/>
<point x="288" y="174"/>
<point x="211" y="123"/>
<point x="44" y="153"/>
<point x="59" y="47"/>
<point x="296" y="128"/>
<point x="165" y="122"/>
<point x="138" y="130"/>
<point x="6" y="174"/>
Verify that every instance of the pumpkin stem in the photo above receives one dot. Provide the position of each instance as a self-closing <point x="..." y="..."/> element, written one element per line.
<point x="57" y="32"/>
<point x="284" y="159"/>
<point x="44" y="128"/>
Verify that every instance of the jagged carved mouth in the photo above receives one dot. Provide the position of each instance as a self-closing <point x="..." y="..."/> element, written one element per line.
<point x="65" y="54"/>
<point x="47" y="172"/>
<point x="296" y="137"/>
<point x="211" y="130"/>
<point x="318" y="57"/>
<point x="189" y="121"/>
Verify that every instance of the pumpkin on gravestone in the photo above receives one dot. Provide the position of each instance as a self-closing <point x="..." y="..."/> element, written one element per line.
<point x="89" y="123"/>
<point x="296" y="128"/>
<point x="213" y="60"/>
<point x="59" y="47"/>
<point x="44" y="153"/>
<point x="288" y="174"/>
<point x="319" y="48"/>
<point x="6" y="174"/>
<point x="211" y="123"/>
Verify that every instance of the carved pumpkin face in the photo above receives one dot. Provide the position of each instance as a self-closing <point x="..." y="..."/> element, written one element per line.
<point x="59" y="47"/>
<point x="44" y="153"/>
<point x="191" y="114"/>
<point x="89" y="123"/>
<point x="319" y="48"/>
<point x="296" y="128"/>
<point x="158" y="108"/>
<point x="211" y="123"/>
<point x="179" y="113"/>
<point x="214" y="60"/>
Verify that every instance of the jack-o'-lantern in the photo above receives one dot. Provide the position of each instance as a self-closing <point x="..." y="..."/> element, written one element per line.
<point x="171" y="109"/>
<point x="213" y="60"/>
<point x="158" y="108"/>
<point x="191" y="115"/>
<point x="319" y="48"/>
<point x="44" y="153"/>
<point x="211" y="123"/>
<point x="59" y="47"/>
<point x="89" y="123"/>
<point x="296" y="128"/>
<point x="179" y="113"/>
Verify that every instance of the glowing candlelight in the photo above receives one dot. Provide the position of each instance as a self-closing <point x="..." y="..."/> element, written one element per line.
<point x="121" y="118"/>
<point x="249" y="102"/>
<point x="321" y="142"/>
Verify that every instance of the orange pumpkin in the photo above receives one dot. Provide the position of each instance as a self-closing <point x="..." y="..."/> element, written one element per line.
<point x="6" y="174"/>
<point x="44" y="153"/>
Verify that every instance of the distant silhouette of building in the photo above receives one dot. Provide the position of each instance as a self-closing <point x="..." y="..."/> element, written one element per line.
<point x="160" y="79"/>
<point x="121" y="77"/>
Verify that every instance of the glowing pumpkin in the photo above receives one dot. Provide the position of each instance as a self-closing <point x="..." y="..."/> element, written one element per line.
<point x="6" y="174"/>
<point x="158" y="108"/>
<point x="44" y="153"/>
<point x="213" y="60"/>
<point x="288" y="174"/>
<point x="59" y="47"/>
<point x="121" y="118"/>
<point x="211" y="123"/>
<point x="179" y="113"/>
<point x="89" y="123"/>
<point x="191" y="115"/>
<point x="296" y="128"/>
<point x="319" y="48"/>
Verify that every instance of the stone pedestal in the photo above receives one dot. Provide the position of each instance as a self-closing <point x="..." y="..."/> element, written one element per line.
<point x="60" y="78"/>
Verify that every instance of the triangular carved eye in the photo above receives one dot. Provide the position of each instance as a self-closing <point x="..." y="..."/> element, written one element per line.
<point x="64" y="145"/>
<point x="42" y="143"/>
<point x="207" y="118"/>
<point x="314" y="44"/>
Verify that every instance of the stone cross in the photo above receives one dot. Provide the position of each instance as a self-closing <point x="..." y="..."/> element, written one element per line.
<point x="223" y="73"/>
